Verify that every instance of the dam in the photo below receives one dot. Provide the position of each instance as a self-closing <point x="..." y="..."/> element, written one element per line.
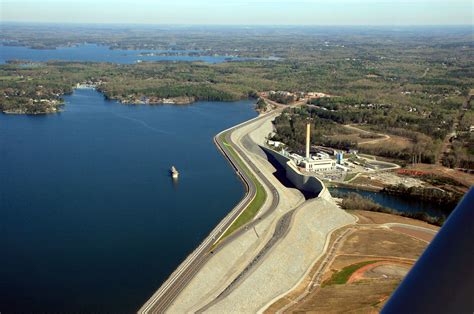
<point x="289" y="235"/>
<point x="302" y="182"/>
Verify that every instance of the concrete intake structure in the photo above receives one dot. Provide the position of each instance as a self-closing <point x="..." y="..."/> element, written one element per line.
<point x="301" y="181"/>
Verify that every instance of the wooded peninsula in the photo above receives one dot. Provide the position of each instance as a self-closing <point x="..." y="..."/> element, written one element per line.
<point x="413" y="84"/>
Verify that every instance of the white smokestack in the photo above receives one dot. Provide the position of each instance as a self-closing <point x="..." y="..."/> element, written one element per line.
<point x="308" y="135"/>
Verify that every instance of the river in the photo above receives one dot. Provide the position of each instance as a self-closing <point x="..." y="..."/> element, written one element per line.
<point x="90" y="220"/>
<point x="399" y="203"/>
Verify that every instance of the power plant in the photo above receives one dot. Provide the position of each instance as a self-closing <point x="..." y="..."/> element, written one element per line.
<point x="318" y="163"/>
<point x="321" y="162"/>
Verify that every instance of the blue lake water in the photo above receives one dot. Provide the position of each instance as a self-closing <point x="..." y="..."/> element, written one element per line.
<point x="399" y="203"/>
<point x="98" y="53"/>
<point x="90" y="220"/>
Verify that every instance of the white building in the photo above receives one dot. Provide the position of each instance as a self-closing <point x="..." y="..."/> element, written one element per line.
<point x="343" y="168"/>
<point x="296" y="158"/>
<point x="275" y="143"/>
<point x="316" y="165"/>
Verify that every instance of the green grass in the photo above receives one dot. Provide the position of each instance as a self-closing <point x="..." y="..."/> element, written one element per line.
<point x="350" y="176"/>
<point x="249" y="213"/>
<point x="344" y="274"/>
<point x="10" y="78"/>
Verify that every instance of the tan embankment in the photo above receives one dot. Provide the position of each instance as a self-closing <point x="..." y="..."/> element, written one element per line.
<point x="289" y="260"/>
<point x="286" y="261"/>
<point x="233" y="257"/>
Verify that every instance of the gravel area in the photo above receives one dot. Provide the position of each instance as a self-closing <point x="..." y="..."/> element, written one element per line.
<point x="228" y="262"/>
<point x="281" y="229"/>
<point x="288" y="260"/>
<point x="394" y="179"/>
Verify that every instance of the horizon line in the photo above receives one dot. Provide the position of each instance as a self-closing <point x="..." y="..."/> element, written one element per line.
<point x="241" y="25"/>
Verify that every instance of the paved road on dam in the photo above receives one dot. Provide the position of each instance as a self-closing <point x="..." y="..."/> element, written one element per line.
<point x="171" y="288"/>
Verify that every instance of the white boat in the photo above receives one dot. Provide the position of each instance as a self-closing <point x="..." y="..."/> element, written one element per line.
<point x="174" y="172"/>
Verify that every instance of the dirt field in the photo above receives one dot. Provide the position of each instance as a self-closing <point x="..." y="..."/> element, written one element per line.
<point x="392" y="141"/>
<point x="463" y="178"/>
<point x="385" y="253"/>
<point x="415" y="233"/>
<point x="366" y="217"/>
<point x="363" y="180"/>
<point x="381" y="179"/>
<point x="382" y="242"/>
<point x="363" y="297"/>
<point x="380" y="270"/>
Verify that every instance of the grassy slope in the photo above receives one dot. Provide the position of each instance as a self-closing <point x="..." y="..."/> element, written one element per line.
<point x="343" y="275"/>
<point x="249" y="213"/>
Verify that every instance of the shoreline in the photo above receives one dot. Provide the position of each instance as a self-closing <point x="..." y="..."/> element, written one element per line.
<point x="202" y="253"/>
<point x="151" y="101"/>
<point x="388" y="191"/>
<point x="253" y="238"/>
<point x="239" y="263"/>
<point x="354" y="186"/>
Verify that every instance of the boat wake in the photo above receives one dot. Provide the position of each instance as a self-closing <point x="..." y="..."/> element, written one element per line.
<point x="143" y="123"/>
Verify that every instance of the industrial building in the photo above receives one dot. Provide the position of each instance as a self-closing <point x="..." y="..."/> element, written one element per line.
<point x="320" y="162"/>
<point x="325" y="159"/>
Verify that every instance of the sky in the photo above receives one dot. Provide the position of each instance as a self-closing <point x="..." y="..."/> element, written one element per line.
<point x="242" y="12"/>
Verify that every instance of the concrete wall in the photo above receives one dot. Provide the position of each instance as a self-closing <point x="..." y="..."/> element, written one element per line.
<point x="302" y="182"/>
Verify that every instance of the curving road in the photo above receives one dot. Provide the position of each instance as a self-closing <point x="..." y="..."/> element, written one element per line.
<point x="171" y="288"/>
<point x="383" y="137"/>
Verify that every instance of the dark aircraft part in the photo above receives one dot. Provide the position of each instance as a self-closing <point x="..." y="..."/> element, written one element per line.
<point x="442" y="280"/>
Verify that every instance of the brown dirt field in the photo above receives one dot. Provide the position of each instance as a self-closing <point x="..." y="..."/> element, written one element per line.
<point x="363" y="296"/>
<point x="360" y="297"/>
<point x="465" y="179"/>
<point x="395" y="142"/>
<point x="345" y="260"/>
<point x="377" y="242"/>
<point x="360" y="273"/>
<point x="394" y="247"/>
<point x="366" y="217"/>
<point x="389" y="271"/>
<point x="386" y="140"/>
<point x="363" y="180"/>
<point x="351" y="137"/>
<point x="361" y="140"/>
<point x="415" y="233"/>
